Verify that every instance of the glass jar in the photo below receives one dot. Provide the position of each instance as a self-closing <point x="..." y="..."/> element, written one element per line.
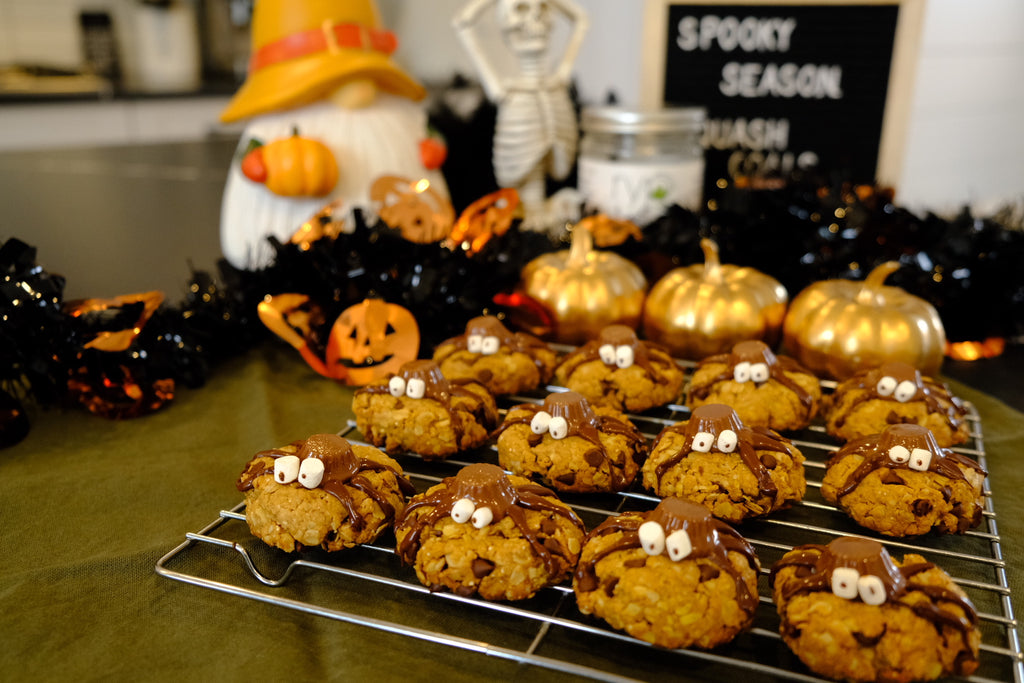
<point x="635" y="163"/>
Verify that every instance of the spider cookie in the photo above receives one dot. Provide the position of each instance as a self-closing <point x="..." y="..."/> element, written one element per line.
<point x="674" y="576"/>
<point x="489" y="533"/>
<point x="418" y="409"/>
<point x="621" y="371"/>
<point x="765" y="390"/>
<point x="895" y="393"/>
<point x="322" y="491"/>
<point x="734" y="471"/>
<point x="850" y="611"/>
<point x="503" y="361"/>
<point x="571" y="445"/>
<point x="902" y="483"/>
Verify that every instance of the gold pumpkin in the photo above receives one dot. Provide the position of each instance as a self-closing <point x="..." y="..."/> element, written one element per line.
<point x="705" y="309"/>
<point x="584" y="289"/>
<point x="839" y="327"/>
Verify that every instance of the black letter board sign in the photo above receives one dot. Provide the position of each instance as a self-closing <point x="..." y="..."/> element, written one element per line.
<point x="786" y="86"/>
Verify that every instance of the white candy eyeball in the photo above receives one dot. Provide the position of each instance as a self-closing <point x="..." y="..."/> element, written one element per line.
<point x="920" y="459"/>
<point x="727" y="441"/>
<point x="702" y="442"/>
<point x="482" y="517"/>
<point x="607" y="354"/>
<point x="759" y="372"/>
<point x="886" y="386"/>
<point x="311" y="473"/>
<point x="624" y="356"/>
<point x="844" y="582"/>
<point x="286" y="469"/>
<point x="741" y="373"/>
<point x="397" y="387"/>
<point x="539" y="423"/>
<point x="416" y="388"/>
<point x="652" y="538"/>
<point x="463" y="510"/>
<point x="871" y="589"/>
<point x="474" y="343"/>
<point x="490" y="346"/>
<point x="905" y="391"/>
<point x="678" y="545"/>
<point x="558" y="428"/>
<point x="899" y="454"/>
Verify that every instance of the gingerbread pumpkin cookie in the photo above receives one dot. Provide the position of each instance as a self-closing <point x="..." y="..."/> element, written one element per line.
<point x="505" y="362"/>
<point x="489" y="533"/>
<point x="621" y="371"/>
<point x="733" y="470"/>
<point x="322" y="491"/>
<point x="849" y="611"/>
<point x="418" y="409"/>
<point x="571" y="445"/>
<point x="674" y="576"/>
<point x="764" y="389"/>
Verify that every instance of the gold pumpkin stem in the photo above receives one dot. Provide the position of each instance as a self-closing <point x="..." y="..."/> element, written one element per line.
<point x="581" y="246"/>
<point x="869" y="292"/>
<point x="712" y="264"/>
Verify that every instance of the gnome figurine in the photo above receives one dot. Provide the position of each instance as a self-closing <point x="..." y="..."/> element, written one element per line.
<point x="328" y="112"/>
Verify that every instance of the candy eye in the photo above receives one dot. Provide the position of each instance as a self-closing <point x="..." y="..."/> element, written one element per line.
<point x="702" y="442"/>
<point x="678" y="545"/>
<point x="286" y="469"/>
<point x="607" y="354"/>
<point x="490" y="346"/>
<point x="397" y="387"/>
<point x="558" y="428"/>
<point x="474" y="343"/>
<point x="759" y="372"/>
<point x="652" y="538"/>
<point x="741" y="373"/>
<point x="624" y="356"/>
<point x="844" y="582"/>
<point x="871" y="589"/>
<point x="416" y="388"/>
<point x="886" y="386"/>
<point x="311" y="473"/>
<point x="727" y="441"/>
<point x="899" y="454"/>
<point x="920" y="459"/>
<point x="463" y="510"/>
<point x="539" y="423"/>
<point x="482" y="517"/>
<point x="905" y="391"/>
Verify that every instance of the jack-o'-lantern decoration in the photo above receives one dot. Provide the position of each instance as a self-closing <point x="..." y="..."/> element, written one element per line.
<point x="487" y="217"/>
<point x="839" y="327"/>
<point x="705" y="309"/>
<point x="327" y="222"/>
<point x="584" y="289"/>
<point x="414" y="208"/>
<point x="610" y="232"/>
<point x="366" y="342"/>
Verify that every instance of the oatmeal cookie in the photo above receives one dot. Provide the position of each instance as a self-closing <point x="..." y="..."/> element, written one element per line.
<point x="895" y="393"/>
<point x="733" y="470"/>
<point x="489" y="533"/>
<point x="765" y="390"/>
<point x="418" y="409"/>
<point x="322" y="491"/>
<point x="902" y="483"/>
<point x="570" y="445"/>
<point x="674" y="577"/>
<point x="850" y="611"/>
<point x="503" y="361"/>
<point x="620" y="371"/>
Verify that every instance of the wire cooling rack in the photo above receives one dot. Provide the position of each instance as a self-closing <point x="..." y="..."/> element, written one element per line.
<point x="548" y="630"/>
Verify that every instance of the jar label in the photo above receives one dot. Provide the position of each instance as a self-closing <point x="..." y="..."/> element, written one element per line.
<point x="640" y="191"/>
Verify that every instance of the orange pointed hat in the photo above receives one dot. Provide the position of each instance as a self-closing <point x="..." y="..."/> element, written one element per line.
<point x="304" y="49"/>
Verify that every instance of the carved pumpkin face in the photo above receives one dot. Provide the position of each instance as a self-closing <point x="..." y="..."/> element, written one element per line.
<point x="372" y="339"/>
<point x="414" y="208"/>
<point x="487" y="217"/>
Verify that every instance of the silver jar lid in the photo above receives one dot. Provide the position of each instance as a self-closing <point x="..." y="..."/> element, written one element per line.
<point x="625" y="121"/>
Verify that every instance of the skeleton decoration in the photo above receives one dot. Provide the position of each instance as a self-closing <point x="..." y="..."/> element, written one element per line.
<point x="536" y="130"/>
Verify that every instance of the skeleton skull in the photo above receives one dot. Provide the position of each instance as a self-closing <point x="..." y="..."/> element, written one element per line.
<point x="525" y="24"/>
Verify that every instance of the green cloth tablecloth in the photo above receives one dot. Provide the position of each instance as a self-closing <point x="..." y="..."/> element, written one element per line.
<point x="89" y="505"/>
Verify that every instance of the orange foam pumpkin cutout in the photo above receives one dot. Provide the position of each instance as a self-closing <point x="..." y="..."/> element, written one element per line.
<point x="487" y="217"/>
<point x="414" y="208"/>
<point x="327" y="222"/>
<point x="610" y="232"/>
<point x="117" y="340"/>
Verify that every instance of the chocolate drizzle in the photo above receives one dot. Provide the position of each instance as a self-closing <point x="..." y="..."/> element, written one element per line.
<point x="490" y="326"/>
<point x="935" y="396"/>
<point x="645" y="354"/>
<point x="754" y="351"/>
